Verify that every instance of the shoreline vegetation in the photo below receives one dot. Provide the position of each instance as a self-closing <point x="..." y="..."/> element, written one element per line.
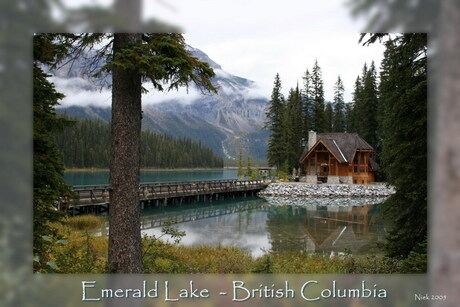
<point x="77" y="247"/>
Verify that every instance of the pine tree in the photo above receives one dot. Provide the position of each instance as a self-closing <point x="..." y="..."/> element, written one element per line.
<point x="294" y="128"/>
<point x="162" y="59"/>
<point x="275" y="122"/>
<point x="249" y="171"/>
<point x="356" y="107"/>
<point x="349" y="117"/>
<point x="307" y="111"/>
<point x="403" y="99"/>
<point x="318" y="117"/>
<point x="339" y="124"/>
<point x="329" y="117"/>
<point x="49" y="185"/>
<point x="369" y="108"/>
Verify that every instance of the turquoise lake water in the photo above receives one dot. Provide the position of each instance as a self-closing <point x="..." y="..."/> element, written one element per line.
<point x="258" y="225"/>
<point x="102" y="177"/>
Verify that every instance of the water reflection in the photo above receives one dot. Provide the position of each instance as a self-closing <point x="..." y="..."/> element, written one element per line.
<point x="276" y="224"/>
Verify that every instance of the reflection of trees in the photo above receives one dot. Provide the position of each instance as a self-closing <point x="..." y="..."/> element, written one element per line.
<point x="323" y="228"/>
<point x="285" y="231"/>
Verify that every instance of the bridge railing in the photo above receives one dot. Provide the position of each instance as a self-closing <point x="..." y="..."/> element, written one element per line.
<point x="88" y="194"/>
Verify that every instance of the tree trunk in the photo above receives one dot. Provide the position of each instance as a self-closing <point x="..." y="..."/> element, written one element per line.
<point x="125" y="254"/>
<point x="445" y="215"/>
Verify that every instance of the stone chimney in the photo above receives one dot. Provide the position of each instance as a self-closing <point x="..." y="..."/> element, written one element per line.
<point x="312" y="138"/>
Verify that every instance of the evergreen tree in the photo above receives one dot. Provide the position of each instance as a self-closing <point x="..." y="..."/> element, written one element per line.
<point x="329" y="117"/>
<point x="162" y="59"/>
<point x="307" y="111"/>
<point x="356" y="107"/>
<point x="317" y="100"/>
<point x="403" y="99"/>
<point x="339" y="122"/>
<point x="49" y="185"/>
<point x="89" y="140"/>
<point x="249" y="169"/>
<point x="275" y="122"/>
<point x="369" y="108"/>
<point x="294" y="128"/>
<point x="349" y="117"/>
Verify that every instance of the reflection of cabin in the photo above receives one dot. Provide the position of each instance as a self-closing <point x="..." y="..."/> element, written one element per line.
<point x="338" y="228"/>
<point x="338" y="158"/>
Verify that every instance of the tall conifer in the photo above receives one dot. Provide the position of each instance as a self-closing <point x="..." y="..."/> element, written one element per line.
<point x="403" y="95"/>
<point x="339" y="124"/>
<point x="318" y="116"/>
<point x="275" y="122"/>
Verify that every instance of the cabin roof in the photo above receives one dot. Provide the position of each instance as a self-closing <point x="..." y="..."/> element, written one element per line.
<point x="342" y="145"/>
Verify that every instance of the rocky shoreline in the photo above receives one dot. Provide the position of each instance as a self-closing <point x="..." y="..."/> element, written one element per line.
<point x="314" y="202"/>
<point x="327" y="190"/>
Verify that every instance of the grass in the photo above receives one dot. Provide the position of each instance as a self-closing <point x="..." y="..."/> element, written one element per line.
<point x="85" y="222"/>
<point x="84" y="252"/>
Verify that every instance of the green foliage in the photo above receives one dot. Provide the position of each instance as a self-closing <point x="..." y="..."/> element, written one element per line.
<point x="318" y="119"/>
<point x="339" y="116"/>
<point x="48" y="168"/>
<point x="264" y="265"/>
<point x="417" y="260"/>
<point x="329" y="117"/>
<point x="403" y="98"/>
<point x="294" y="128"/>
<point x="364" y="117"/>
<point x="275" y="123"/>
<point x="303" y="263"/>
<point x="87" y="144"/>
<point x="161" y="58"/>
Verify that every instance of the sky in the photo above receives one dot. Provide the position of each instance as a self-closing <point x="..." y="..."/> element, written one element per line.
<point x="257" y="39"/>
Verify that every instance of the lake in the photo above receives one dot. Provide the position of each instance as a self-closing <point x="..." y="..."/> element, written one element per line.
<point x="258" y="224"/>
<point x="102" y="177"/>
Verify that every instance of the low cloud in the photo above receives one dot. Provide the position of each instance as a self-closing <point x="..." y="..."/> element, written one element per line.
<point x="81" y="92"/>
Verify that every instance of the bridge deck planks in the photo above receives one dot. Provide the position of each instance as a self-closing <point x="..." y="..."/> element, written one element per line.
<point x="93" y="195"/>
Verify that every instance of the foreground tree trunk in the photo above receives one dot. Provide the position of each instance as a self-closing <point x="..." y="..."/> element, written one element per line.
<point x="445" y="239"/>
<point x="125" y="254"/>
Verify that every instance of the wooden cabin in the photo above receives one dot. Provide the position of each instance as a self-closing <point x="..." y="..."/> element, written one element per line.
<point x="338" y="158"/>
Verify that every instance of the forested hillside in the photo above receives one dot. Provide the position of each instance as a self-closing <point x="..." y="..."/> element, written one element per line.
<point x="87" y="144"/>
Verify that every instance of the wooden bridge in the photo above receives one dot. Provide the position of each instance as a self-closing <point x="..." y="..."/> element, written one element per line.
<point x="96" y="198"/>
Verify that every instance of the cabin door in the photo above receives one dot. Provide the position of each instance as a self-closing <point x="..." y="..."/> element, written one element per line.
<point x="324" y="170"/>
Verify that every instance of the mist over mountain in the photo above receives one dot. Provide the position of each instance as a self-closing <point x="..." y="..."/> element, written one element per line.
<point x="227" y="121"/>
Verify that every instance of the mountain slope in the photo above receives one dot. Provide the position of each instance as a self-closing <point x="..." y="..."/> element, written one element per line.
<point x="226" y="121"/>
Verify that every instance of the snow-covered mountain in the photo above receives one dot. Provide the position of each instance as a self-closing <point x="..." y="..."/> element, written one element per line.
<point x="227" y="121"/>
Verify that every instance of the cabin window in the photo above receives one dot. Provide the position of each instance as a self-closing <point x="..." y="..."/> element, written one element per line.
<point x="355" y="161"/>
<point x="355" y="169"/>
<point x="355" y="181"/>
